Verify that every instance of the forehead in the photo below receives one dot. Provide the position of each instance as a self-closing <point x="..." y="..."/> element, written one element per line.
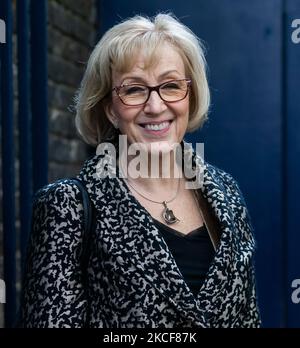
<point x="154" y="63"/>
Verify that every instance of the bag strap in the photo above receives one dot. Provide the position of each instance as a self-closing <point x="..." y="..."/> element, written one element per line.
<point x="88" y="221"/>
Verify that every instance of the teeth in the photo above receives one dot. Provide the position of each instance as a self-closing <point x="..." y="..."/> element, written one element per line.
<point x="156" y="127"/>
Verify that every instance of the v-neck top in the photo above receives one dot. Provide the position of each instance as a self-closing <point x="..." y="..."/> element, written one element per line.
<point x="193" y="253"/>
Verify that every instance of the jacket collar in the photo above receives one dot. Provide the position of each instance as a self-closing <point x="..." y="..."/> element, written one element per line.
<point x="129" y="234"/>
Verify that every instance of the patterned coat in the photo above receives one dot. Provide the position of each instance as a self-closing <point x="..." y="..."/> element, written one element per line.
<point x="133" y="280"/>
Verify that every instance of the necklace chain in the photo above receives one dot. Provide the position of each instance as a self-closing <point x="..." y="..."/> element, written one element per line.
<point x="167" y="213"/>
<point x="151" y="200"/>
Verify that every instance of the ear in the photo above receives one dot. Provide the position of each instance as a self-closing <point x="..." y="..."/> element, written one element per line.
<point x="111" y="115"/>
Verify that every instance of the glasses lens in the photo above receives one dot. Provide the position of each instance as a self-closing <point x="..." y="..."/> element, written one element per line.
<point x="174" y="90"/>
<point x="133" y="94"/>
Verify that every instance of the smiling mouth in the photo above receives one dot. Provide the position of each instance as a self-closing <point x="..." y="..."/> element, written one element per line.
<point x="157" y="126"/>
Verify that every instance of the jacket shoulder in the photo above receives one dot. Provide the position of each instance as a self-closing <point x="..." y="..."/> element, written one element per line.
<point x="227" y="183"/>
<point x="57" y="191"/>
<point x="57" y="204"/>
<point x="221" y="174"/>
<point x="232" y="191"/>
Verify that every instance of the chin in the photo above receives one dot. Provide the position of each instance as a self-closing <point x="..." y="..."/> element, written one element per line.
<point x="160" y="146"/>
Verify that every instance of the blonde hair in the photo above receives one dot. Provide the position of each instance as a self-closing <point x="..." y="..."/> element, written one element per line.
<point x="115" y="51"/>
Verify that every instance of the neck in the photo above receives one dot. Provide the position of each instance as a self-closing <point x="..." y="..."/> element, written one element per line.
<point x="153" y="172"/>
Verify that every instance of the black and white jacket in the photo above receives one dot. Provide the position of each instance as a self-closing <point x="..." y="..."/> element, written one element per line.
<point x="133" y="279"/>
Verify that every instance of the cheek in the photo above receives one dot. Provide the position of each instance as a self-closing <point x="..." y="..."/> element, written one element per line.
<point x="128" y="120"/>
<point x="123" y="113"/>
<point x="184" y="112"/>
<point x="183" y="118"/>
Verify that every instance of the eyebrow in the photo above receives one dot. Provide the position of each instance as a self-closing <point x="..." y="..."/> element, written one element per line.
<point x="140" y="79"/>
<point x="168" y="72"/>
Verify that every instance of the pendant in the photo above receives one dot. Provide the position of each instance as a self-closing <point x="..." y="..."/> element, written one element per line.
<point x="168" y="215"/>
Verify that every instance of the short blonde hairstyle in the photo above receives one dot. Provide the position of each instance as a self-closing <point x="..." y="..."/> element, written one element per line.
<point x="115" y="51"/>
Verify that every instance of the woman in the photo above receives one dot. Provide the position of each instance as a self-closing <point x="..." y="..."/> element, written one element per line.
<point x="171" y="250"/>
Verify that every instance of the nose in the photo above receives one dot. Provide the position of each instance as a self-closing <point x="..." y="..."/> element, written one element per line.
<point x="155" y="105"/>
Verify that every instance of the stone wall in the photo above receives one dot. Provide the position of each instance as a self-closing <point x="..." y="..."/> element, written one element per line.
<point x="71" y="36"/>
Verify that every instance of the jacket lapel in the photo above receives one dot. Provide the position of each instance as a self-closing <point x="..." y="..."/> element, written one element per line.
<point x="136" y="244"/>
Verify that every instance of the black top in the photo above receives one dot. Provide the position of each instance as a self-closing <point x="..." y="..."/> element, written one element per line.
<point x="193" y="253"/>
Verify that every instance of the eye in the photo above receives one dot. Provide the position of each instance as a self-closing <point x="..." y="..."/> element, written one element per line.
<point x="133" y="89"/>
<point x="171" y="85"/>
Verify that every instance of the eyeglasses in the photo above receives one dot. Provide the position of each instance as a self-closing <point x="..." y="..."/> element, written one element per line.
<point x="137" y="94"/>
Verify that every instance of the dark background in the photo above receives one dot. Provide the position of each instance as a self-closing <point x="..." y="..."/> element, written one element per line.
<point x="254" y="126"/>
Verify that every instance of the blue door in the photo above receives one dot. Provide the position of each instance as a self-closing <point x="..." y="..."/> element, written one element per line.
<point x="252" y="131"/>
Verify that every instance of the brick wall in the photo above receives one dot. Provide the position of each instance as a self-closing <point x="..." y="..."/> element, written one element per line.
<point x="71" y="37"/>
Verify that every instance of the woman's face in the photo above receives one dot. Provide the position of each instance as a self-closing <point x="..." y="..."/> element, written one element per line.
<point x="139" y="122"/>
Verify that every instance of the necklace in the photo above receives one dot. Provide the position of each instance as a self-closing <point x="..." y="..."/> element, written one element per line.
<point x="167" y="213"/>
